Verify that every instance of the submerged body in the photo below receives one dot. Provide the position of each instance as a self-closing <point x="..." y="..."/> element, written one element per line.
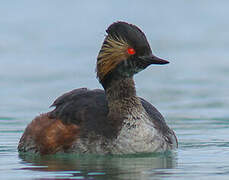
<point x="114" y="121"/>
<point x="81" y="123"/>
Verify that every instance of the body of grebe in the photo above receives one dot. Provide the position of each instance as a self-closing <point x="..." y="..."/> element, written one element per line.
<point x="110" y="121"/>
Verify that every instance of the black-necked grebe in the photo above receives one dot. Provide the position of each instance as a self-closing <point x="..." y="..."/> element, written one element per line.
<point x="114" y="121"/>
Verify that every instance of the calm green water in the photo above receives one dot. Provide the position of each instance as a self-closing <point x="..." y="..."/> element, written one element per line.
<point x="48" y="48"/>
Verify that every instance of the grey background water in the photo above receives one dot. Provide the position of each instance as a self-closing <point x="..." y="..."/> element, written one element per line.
<point x="50" y="47"/>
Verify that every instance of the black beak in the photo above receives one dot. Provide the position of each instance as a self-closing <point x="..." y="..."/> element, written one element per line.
<point x="154" y="60"/>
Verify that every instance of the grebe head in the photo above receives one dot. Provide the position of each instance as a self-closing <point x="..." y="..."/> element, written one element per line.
<point x="125" y="52"/>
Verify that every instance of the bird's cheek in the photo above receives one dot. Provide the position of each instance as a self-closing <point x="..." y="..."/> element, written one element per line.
<point x="140" y="64"/>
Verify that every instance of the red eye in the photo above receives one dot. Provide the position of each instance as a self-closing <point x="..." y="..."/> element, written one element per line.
<point x="131" y="51"/>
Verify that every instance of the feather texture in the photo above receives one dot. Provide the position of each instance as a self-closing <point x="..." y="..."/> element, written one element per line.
<point x="113" y="51"/>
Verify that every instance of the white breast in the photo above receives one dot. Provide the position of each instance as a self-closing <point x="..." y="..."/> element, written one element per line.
<point x="138" y="135"/>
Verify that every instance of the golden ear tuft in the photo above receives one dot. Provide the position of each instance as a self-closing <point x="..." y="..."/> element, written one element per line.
<point x="114" y="50"/>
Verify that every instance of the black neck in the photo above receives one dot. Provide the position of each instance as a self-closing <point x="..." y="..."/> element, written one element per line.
<point x="119" y="89"/>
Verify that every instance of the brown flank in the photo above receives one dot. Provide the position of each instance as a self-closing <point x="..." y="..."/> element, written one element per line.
<point x="49" y="135"/>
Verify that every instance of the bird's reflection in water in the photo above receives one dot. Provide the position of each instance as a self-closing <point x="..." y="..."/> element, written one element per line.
<point x="141" y="166"/>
